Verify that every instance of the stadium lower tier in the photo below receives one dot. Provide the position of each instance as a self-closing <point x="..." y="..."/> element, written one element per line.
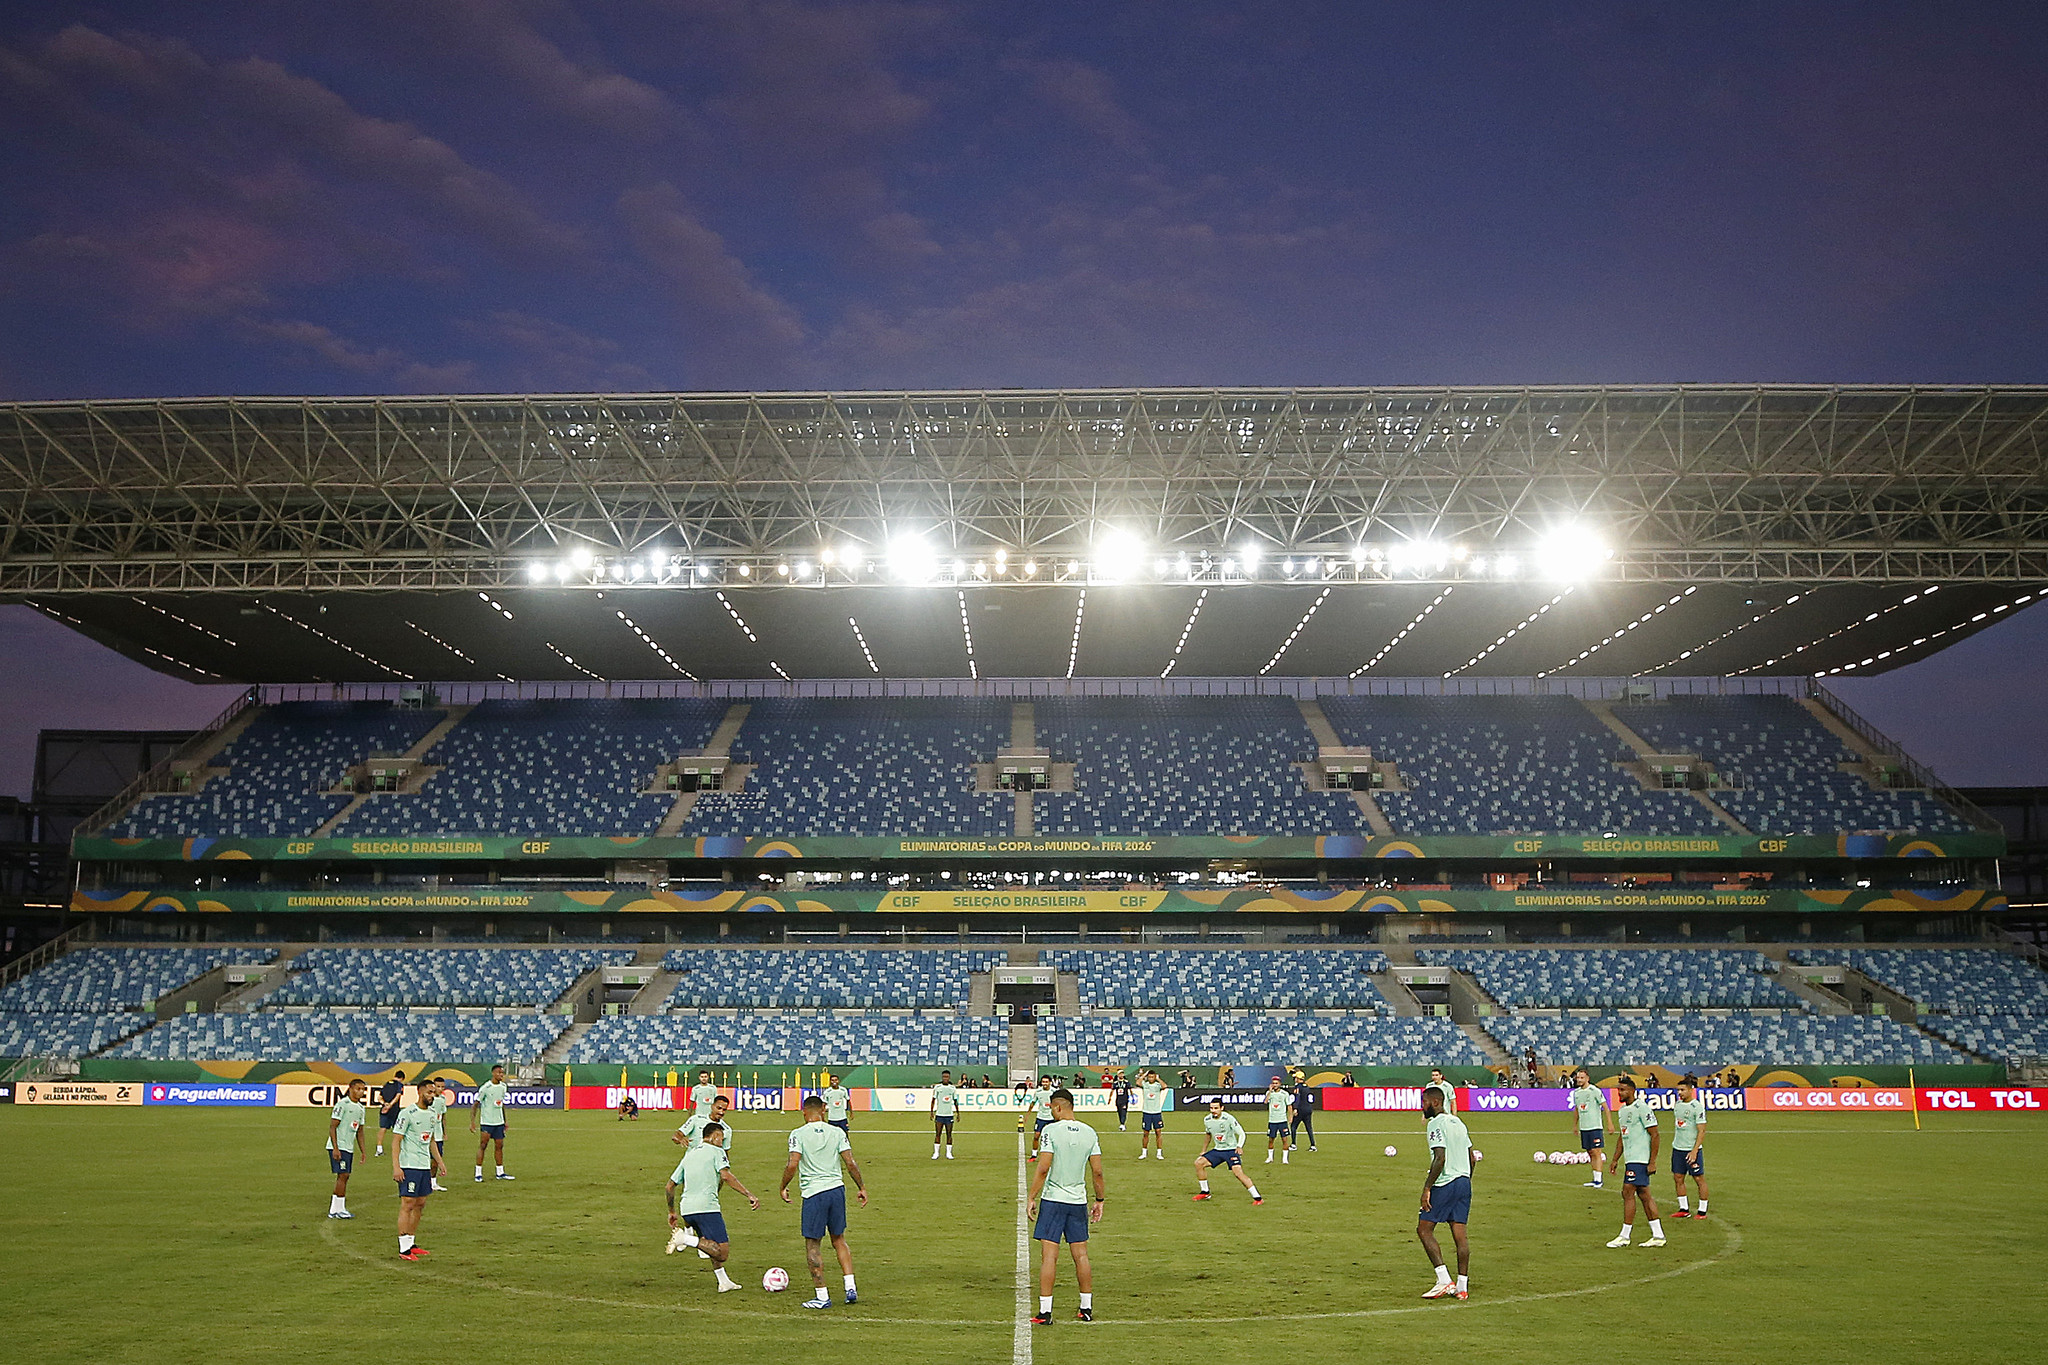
<point x="93" y="979"/>
<point x="279" y="1035"/>
<point x="1351" y="1039"/>
<point x="849" y="978"/>
<point x="1953" y="980"/>
<point x="2000" y="1037"/>
<point x="1687" y="1039"/>
<point x="65" y="1033"/>
<point x="1633" y="978"/>
<point x="795" y="1040"/>
<point x="1164" y="978"/>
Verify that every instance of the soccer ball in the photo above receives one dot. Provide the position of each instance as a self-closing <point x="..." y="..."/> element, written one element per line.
<point x="1478" y="1155"/>
<point x="1557" y="1158"/>
<point x="1542" y="1157"/>
<point x="1392" y="1151"/>
<point x="1585" y="1159"/>
<point x="775" y="1280"/>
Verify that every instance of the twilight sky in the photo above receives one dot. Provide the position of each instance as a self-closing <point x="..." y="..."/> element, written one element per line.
<point x="478" y="195"/>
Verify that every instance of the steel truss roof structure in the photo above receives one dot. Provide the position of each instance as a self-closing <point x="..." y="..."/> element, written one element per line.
<point x="1753" y="529"/>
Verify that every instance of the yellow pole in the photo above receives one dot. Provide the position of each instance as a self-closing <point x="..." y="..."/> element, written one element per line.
<point x="1916" y="1098"/>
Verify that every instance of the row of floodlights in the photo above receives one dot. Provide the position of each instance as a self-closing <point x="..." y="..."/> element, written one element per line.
<point x="1564" y="556"/>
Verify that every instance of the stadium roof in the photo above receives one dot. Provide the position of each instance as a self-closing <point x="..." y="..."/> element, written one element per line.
<point x="1693" y="529"/>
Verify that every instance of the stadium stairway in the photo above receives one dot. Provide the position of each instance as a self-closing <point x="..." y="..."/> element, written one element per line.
<point x="1024" y="1049"/>
<point x="1496" y="1055"/>
<point x="1603" y="711"/>
<point x="1326" y="738"/>
<point x="451" y="717"/>
<point x="1871" y="758"/>
<point x="652" y="998"/>
<point x="558" y="1051"/>
<point x="718" y="746"/>
<point x="1823" y="1001"/>
<point x="250" y="996"/>
<point x="1023" y="739"/>
<point x="1406" y="1006"/>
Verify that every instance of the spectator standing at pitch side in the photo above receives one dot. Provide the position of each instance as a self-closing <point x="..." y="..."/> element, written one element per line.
<point x="389" y="1095"/>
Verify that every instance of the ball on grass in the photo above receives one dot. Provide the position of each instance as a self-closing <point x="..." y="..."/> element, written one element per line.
<point x="1392" y="1150"/>
<point x="1542" y="1157"/>
<point x="1478" y="1155"/>
<point x="775" y="1280"/>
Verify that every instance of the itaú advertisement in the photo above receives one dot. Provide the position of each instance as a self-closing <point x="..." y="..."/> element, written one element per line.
<point x="918" y="1100"/>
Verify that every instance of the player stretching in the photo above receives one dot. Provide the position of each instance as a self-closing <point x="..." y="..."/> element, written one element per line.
<point x="702" y="1093"/>
<point x="699" y="1175"/>
<point x="1059" y="1207"/>
<point x="390" y="1098"/>
<point x="490" y="1114"/>
<point x="837" y="1105"/>
<point x="816" y="1152"/>
<point x="945" y="1107"/>
<point x="1639" y="1142"/>
<point x="1689" y="1145"/>
<point x="414" y="1162"/>
<point x="1446" y="1193"/>
<point x="1041" y="1117"/>
<point x="1276" y="1121"/>
<point x="440" y="1131"/>
<point x="1591" y="1107"/>
<point x="345" y="1140"/>
<point x="1226" y="1137"/>
<point x="1152" y="1115"/>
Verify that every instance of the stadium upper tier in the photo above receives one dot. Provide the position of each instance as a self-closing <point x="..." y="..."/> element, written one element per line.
<point x="1684" y="1038"/>
<point x="1231" y="979"/>
<point x="852" y="978"/>
<point x="1155" y="765"/>
<point x="1637" y="978"/>
<point x="1244" y="1039"/>
<point x="1960" y="981"/>
<point x="96" y="980"/>
<point x="411" y="976"/>
<point x="761" y="1039"/>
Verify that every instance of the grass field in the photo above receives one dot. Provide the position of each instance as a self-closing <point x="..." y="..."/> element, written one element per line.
<point x="139" y="1235"/>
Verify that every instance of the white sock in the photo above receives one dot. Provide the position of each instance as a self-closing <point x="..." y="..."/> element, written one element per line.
<point x="849" y="1284"/>
<point x="723" y="1278"/>
<point x="1205" y="1187"/>
<point x="1462" y="1286"/>
<point x="1269" y="1158"/>
<point x="1045" y="1303"/>
<point x="1703" y="1208"/>
<point x="1628" y="1230"/>
<point x="1443" y="1274"/>
<point x="1596" y="1178"/>
<point x="1656" y="1227"/>
<point x="335" y="1203"/>
<point x="405" y="1241"/>
<point x="1253" y="1191"/>
<point x="1682" y="1206"/>
<point x="1284" y="1156"/>
<point x="480" y="1172"/>
<point x="501" y="1170"/>
<point x="380" y="1149"/>
<point x="1088" y="1300"/>
<point x="935" y="1151"/>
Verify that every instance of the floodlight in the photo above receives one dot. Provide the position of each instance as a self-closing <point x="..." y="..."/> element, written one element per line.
<point x="1117" y="556"/>
<point x="1571" y="554"/>
<point x="911" y="560"/>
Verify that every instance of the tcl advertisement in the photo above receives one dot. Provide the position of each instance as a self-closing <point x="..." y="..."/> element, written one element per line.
<point x="2009" y="1099"/>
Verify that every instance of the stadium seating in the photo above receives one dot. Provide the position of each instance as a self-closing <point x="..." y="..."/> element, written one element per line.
<point x="846" y="978"/>
<point x="789" y="1039"/>
<point x="1247" y="1039"/>
<point x="1183" y="765"/>
<point x="64" y="1033"/>
<point x="278" y="770"/>
<point x="96" y="980"/>
<point x="869" y="766"/>
<point x="569" y="768"/>
<point x="356" y="1035"/>
<point x="1683" y="1038"/>
<point x="1782" y="762"/>
<point x="1507" y="765"/>
<point x="454" y="976"/>
<point x="1119" y="978"/>
<point x="1945" y="980"/>
<point x="1637" y="978"/>
<point x="1999" y="1037"/>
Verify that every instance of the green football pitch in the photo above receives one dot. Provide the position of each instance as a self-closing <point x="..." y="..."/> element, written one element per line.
<point x="153" y="1236"/>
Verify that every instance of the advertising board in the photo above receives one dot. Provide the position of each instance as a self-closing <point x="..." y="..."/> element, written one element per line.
<point x="213" y="1094"/>
<point x="78" y="1092"/>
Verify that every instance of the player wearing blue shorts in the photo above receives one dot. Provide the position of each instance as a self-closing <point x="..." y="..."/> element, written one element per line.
<point x="1446" y="1194"/>
<point x="1590" y="1105"/>
<point x="1068" y="1154"/>
<point x="487" y="1119"/>
<point x="838" y="1105"/>
<point x="1689" y="1145"/>
<point x="698" y="1178"/>
<point x="1041" y="1114"/>
<point x="1276" y="1121"/>
<point x="415" y="1161"/>
<point x="1151" y="1115"/>
<point x="390" y="1099"/>
<point x="945" y="1108"/>
<point x="1225" y="1140"/>
<point x="817" y="1151"/>
<point x="1639" y="1142"/>
<point x="345" y="1141"/>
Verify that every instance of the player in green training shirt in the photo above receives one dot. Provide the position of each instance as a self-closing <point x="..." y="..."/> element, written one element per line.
<point x="1277" y="1100"/>
<point x="702" y="1093"/>
<point x="414" y="1162"/>
<point x="838" y="1104"/>
<point x="1069" y="1154"/>
<point x="1689" y="1145"/>
<point x="440" y="1107"/>
<point x="1446" y="1193"/>
<point x="945" y="1108"/>
<point x="698" y="1177"/>
<point x="1639" y="1142"/>
<point x="817" y="1151"/>
<point x="489" y="1116"/>
<point x="345" y="1141"/>
<point x="1225" y="1139"/>
<point x="1590" y="1105"/>
<point x="1151" y="1115"/>
<point x="691" y="1137"/>
<point x="1041" y="1114"/>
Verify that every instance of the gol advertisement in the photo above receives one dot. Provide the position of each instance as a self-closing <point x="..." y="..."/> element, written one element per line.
<point x="78" y="1092"/>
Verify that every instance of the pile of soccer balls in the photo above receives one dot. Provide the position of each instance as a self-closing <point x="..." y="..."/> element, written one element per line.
<point x="1566" y="1158"/>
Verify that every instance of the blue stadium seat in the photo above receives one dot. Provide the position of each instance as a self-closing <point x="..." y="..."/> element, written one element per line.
<point x="1276" y="1039"/>
<point x="368" y="1036"/>
<point x="428" y="976"/>
<point x="797" y="1040"/>
<point x="1945" y="980"/>
<point x="97" y="980"/>
<point x="1225" y="978"/>
<point x="1638" y="978"/>
<point x="839" y="978"/>
<point x="1682" y="1038"/>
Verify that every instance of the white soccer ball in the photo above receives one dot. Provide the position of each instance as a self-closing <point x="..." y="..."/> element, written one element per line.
<point x="1558" y="1158"/>
<point x="1585" y="1159"/>
<point x="1478" y="1155"/>
<point x="775" y="1280"/>
<point x="1393" y="1151"/>
<point x="1542" y="1157"/>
